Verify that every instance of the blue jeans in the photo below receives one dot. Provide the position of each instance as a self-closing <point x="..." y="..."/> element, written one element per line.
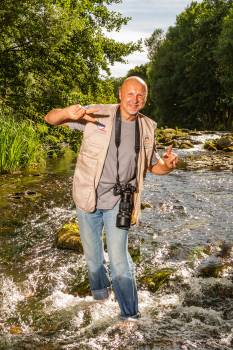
<point x="121" y="265"/>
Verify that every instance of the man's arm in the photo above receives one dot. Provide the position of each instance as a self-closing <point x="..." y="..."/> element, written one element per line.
<point x="165" y="164"/>
<point x="70" y="114"/>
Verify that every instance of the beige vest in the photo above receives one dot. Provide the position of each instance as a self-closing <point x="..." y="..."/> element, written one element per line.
<point x="93" y="152"/>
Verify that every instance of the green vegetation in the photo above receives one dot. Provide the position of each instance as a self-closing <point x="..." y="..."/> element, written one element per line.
<point x="20" y="145"/>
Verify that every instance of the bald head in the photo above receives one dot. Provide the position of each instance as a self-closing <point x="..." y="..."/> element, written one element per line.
<point x="135" y="80"/>
<point x="133" y="95"/>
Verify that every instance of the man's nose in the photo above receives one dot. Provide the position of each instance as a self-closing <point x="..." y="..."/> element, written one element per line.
<point x="135" y="99"/>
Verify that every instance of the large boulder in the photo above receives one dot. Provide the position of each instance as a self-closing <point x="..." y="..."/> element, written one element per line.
<point x="224" y="142"/>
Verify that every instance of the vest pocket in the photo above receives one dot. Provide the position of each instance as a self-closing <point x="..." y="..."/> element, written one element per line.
<point x="83" y="184"/>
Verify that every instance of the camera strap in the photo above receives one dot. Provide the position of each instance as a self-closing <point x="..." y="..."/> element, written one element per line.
<point x="118" y="142"/>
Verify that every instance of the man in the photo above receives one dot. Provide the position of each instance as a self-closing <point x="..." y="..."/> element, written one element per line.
<point x="118" y="147"/>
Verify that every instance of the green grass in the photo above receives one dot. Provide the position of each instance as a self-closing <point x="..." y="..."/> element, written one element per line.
<point x="20" y="145"/>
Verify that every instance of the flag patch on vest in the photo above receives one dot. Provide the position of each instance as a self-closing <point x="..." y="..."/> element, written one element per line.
<point x="100" y="126"/>
<point x="147" y="142"/>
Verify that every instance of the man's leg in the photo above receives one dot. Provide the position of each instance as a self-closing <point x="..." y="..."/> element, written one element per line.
<point x="91" y="226"/>
<point x="121" y="264"/>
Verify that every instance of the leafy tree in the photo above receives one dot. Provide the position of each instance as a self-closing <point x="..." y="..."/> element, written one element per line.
<point x="224" y="57"/>
<point x="53" y="52"/>
<point x="184" y="70"/>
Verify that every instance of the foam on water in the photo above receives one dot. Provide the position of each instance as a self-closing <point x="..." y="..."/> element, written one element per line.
<point x="11" y="295"/>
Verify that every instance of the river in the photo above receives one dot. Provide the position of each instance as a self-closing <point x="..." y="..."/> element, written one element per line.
<point x="186" y="233"/>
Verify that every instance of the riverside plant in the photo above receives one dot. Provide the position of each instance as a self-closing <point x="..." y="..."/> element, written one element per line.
<point x="20" y="146"/>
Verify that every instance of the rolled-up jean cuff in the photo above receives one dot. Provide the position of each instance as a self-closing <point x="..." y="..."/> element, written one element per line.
<point x="100" y="294"/>
<point x="138" y="315"/>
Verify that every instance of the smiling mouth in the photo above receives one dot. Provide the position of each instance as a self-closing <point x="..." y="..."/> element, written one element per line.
<point x="134" y="106"/>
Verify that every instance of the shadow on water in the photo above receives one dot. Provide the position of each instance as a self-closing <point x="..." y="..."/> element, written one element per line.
<point x="183" y="255"/>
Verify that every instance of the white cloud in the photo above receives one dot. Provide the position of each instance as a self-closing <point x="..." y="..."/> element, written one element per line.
<point x="146" y="16"/>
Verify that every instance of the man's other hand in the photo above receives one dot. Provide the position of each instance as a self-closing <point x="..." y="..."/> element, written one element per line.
<point x="170" y="158"/>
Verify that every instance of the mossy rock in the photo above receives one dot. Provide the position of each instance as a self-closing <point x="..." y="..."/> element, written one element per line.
<point x="228" y="149"/>
<point x="169" y="136"/>
<point x="175" y="144"/>
<point x="169" y="130"/>
<point x="135" y="253"/>
<point x="153" y="280"/>
<point x="185" y="145"/>
<point x="145" y="205"/>
<point x="16" y="330"/>
<point x="81" y="287"/>
<point x="198" y="253"/>
<point x="224" y="142"/>
<point x="210" y="145"/>
<point x="68" y="237"/>
<point x="195" y="133"/>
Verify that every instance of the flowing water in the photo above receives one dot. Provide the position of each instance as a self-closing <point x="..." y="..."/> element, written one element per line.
<point x="186" y="233"/>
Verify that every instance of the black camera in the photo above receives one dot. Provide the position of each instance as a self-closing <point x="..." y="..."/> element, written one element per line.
<point x="126" y="191"/>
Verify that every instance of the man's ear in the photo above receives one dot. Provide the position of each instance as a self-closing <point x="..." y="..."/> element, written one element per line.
<point x="119" y="94"/>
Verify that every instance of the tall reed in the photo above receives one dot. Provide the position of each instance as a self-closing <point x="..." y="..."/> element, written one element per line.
<point x="20" y="145"/>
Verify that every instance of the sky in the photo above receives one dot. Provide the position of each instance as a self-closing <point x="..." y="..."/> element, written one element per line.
<point x="147" y="15"/>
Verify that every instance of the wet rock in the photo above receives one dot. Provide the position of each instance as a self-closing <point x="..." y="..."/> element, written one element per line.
<point x="218" y="160"/>
<point x="135" y="253"/>
<point x="228" y="149"/>
<point x="81" y="287"/>
<point x="209" y="132"/>
<point x="153" y="280"/>
<point x="226" y="250"/>
<point x="177" y="251"/>
<point x="170" y="136"/>
<point x="195" y="133"/>
<point x="225" y="143"/>
<point x="16" y="330"/>
<point x="174" y="143"/>
<point x="196" y="254"/>
<point x="210" y="267"/>
<point x="145" y="205"/>
<point x="68" y="237"/>
<point x="186" y="145"/>
<point x="29" y="195"/>
<point x="210" y="145"/>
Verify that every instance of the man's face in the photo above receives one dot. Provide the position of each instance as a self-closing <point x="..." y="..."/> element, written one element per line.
<point x="132" y="97"/>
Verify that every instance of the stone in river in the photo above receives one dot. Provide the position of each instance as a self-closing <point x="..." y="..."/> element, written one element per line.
<point x="16" y="330"/>
<point x="186" y="144"/>
<point x="211" y="267"/>
<point x="224" y="142"/>
<point x="68" y="237"/>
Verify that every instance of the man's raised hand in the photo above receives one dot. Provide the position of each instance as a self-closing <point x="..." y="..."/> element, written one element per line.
<point x="76" y="112"/>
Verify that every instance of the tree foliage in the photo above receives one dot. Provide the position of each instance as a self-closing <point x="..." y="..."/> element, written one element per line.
<point x="53" y="53"/>
<point x="190" y="71"/>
